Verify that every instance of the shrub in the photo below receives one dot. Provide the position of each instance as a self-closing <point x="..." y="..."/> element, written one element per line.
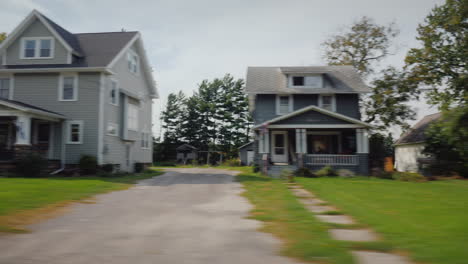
<point x="231" y="162"/>
<point x="107" y="168"/>
<point x="88" y="165"/>
<point x="345" y="173"/>
<point x="304" y="172"/>
<point x="385" y="175"/>
<point x="408" y="176"/>
<point x="165" y="163"/>
<point x="139" y="167"/>
<point x="31" y="165"/>
<point x="287" y="175"/>
<point x="255" y="167"/>
<point x="326" y="171"/>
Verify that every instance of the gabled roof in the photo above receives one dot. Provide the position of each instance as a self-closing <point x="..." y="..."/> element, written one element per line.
<point x="186" y="147"/>
<point x="273" y="80"/>
<point x="417" y="133"/>
<point x="317" y="109"/>
<point x="29" y="108"/>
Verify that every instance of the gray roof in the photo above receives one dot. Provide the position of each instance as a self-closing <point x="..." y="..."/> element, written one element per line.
<point x="272" y="80"/>
<point x="65" y="34"/>
<point x="417" y="133"/>
<point x="25" y="105"/>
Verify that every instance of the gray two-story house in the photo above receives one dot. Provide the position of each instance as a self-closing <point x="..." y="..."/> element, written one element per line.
<point x="308" y="116"/>
<point x="65" y="95"/>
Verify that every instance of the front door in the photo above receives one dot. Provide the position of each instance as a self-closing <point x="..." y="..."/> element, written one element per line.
<point x="42" y="138"/>
<point x="279" y="146"/>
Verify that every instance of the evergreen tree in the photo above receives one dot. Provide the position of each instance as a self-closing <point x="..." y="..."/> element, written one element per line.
<point x="172" y="118"/>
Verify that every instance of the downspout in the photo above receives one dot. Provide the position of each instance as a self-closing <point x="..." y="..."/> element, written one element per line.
<point x="62" y="150"/>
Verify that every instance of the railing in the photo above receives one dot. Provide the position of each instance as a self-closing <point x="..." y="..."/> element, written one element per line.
<point x="330" y="159"/>
<point x="6" y="154"/>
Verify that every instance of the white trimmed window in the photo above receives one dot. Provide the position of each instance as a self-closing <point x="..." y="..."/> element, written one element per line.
<point x="5" y="88"/>
<point x="37" y="48"/>
<point x="132" y="117"/>
<point x="133" y="61"/>
<point x="284" y="104"/>
<point x="114" y="93"/>
<point x="145" y="140"/>
<point x="309" y="81"/>
<point x="327" y="102"/>
<point x="68" y="87"/>
<point x="112" y="129"/>
<point x="75" y="132"/>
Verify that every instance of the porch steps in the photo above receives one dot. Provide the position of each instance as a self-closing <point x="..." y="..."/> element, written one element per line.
<point x="274" y="171"/>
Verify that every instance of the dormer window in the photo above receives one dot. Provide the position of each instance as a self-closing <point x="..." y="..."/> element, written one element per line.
<point x="307" y="81"/>
<point x="37" y="48"/>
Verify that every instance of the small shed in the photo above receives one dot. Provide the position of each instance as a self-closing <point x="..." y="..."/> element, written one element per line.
<point x="186" y="153"/>
<point x="246" y="154"/>
<point x="409" y="147"/>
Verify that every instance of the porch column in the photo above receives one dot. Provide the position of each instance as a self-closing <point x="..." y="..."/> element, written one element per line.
<point x="23" y="130"/>
<point x="362" y="151"/>
<point x="301" y="146"/>
<point x="264" y="149"/>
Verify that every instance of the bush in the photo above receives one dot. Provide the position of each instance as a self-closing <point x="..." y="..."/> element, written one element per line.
<point x="255" y="167"/>
<point x="287" y="175"/>
<point x="107" y="168"/>
<point x="385" y="175"/>
<point x="139" y="167"/>
<point x="88" y="165"/>
<point x="31" y="165"/>
<point x="231" y="162"/>
<point x="165" y="163"/>
<point x="345" y="173"/>
<point x="326" y="171"/>
<point x="408" y="176"/>
<point x="304" y="172"/>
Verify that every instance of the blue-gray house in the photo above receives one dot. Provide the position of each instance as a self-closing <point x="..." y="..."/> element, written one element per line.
<point x="308" y="116"/>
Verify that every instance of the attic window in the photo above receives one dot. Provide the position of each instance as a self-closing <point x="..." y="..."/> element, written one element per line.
<point x="133" y="62"/>
<point x="310" y="81"/>
<point x="37" y="48"/>
<point x="298" y="80"/>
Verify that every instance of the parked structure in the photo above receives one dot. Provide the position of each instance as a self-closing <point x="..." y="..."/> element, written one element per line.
<point x="186" y="153"/>
<point x="409" y="147"/>
<point x="308" y="116"/>
<point x="64" y="95"/>
<point x="246" y="154"/>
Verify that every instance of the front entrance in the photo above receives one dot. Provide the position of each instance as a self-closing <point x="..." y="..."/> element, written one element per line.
<point x="279" y="146"/>
<point x="42" y="138"/>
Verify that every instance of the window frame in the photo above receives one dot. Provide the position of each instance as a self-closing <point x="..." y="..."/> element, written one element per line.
<point x="290" y="102"/>
<point x="136" y="108"/>
<point x="37" y="48"/>
<point x="75" y="87"/>
<point x="10" y="84"/>
<point x="116" y="126"/>
<point x="117" y="92"/>
<point x="145" y="139"/>
<point x="291" y="81"/>
<point x="131" y="54"/>
<point x="333" y="101"/>
<point x="70" y="123"/>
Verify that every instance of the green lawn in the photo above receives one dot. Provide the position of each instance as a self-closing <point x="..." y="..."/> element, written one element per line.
<point x="428" y="220"/>
<point x="22" y="198"/>
<point x="305" y="238"/>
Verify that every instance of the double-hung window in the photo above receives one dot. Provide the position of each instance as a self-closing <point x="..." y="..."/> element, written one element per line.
<point x="327" y="102"/>
<point x="68" y="87"/>
<point x="145" y="140"/>
<point x="133" y="62"/>
<point x="132" y="117"/>
<point x="75" y="132"/>
<point x="284" y="104"/>
<point x="114" y="93"/>
<point x="5" y="88"/>
<point x="37" y="48"/>
<point x="112" y="129"/>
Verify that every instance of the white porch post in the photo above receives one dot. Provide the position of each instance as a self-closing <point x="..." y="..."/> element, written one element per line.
<point x="362" y="141"/>
<point x="264" y="148"/>
<point x="301" y="146"/>
<point x="23" y="130"/>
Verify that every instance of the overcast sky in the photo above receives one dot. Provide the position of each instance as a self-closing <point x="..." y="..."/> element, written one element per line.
<point x="188" y="41"/>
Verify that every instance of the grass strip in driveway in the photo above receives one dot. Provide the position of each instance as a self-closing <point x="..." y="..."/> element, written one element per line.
<point x="27" y="200"/>
<point x="428" y="220"/>
<point x="305" y="238"/>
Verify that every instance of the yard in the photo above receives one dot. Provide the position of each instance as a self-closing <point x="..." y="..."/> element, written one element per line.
<point x="427" y="220"/>
<point x="26" y="200"/>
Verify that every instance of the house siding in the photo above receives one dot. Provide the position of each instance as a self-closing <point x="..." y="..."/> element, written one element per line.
<point x="41" y="90"/>
<point x="36" y="29"/>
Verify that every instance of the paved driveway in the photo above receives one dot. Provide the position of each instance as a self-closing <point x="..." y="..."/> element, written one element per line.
<point x="183" y="216"/>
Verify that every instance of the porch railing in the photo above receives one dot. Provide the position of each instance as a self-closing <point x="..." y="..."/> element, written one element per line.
<point x="330" y="159"/>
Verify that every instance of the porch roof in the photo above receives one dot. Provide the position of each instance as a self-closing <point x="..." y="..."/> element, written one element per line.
<point x="27" y="108"/>
<point x="345" y="121"/>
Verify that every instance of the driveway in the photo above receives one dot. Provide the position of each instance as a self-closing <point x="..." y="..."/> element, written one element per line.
<point x="184" y="216"/>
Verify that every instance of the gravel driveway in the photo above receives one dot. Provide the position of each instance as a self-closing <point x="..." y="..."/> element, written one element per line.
<point x="183" y="216"/>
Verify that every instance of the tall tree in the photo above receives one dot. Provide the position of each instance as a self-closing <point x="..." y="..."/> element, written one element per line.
<point x="172" y="118"/>
<point x="2" y="36"/>
<point x="362" y="45"/>
<point x="441" y="63"/>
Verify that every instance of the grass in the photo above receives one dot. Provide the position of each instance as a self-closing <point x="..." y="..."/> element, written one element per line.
<point x="27" y="200"/>
<point x="305" y="237"/>
<point x="428" y="220"/>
